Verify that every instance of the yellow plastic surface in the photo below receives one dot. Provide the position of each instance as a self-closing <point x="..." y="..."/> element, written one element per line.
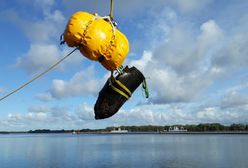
<point x="96" y="39"/>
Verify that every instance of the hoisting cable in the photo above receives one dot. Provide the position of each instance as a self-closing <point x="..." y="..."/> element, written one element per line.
<point x="111" y="13"/>
<point x="39" y="75"/>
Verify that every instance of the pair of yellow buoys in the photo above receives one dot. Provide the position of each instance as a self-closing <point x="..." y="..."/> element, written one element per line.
<point x="97" y="39"/>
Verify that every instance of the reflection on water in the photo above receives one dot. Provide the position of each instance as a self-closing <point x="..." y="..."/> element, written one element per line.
<point x="123" y="151"/>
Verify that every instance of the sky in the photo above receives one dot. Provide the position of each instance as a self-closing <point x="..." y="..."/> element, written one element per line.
<point x="193" y="53"/>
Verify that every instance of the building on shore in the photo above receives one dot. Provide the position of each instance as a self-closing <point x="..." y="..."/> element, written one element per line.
<point x="119" y="130"/>
<point x="177" y="129"/>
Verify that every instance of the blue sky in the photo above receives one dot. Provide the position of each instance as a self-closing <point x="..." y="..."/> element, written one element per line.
<point x="194" y="54"/>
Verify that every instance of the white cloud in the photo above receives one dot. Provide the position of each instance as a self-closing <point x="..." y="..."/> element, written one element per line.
<point x="143" y="61"/>
<point x="82" y="83"/>
<point x="185" y="113"/>
<point x="46" y="30"/>
<point x="235" y="97"/>
<point x="211" y="35"/>
<point x="179" y="68"/>
<point x="47" y="117"/>
<point x="234" y="53"/>
<point x="43" y="35"/>
<point x="39" y="56"/>
<point x="41" y="117"/>
<point x="185" y="50"/>
<point x="85" y="112"/>
<point x="216" y="115"/>
<point x="234" y="100"/>
<point x="82" y="116"/>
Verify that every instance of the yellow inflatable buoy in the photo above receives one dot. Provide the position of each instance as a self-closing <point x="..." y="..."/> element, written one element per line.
<point x="97" y="38"/>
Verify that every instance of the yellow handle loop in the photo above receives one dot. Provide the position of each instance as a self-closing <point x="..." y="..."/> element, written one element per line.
<point x="120" y="92"/>
<point x="124" y="87"/>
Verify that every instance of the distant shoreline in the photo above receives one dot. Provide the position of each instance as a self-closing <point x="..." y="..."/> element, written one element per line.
<point x="203" y="128"/>
<point x="188" y="133"/>
<point x="246" y="132"/>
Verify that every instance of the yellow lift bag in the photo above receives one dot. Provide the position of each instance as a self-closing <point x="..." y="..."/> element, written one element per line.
<point x="97" y="38"/>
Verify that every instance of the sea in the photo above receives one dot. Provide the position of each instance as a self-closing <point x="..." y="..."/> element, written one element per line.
<point x="124" y="151"/>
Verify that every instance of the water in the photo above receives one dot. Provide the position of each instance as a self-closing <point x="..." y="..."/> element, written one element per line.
<point x="123" y="151"/>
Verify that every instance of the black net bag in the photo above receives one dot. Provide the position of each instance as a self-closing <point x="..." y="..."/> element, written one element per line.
<point x="116" y="91"/>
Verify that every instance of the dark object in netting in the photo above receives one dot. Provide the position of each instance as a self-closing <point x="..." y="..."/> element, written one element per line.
<point x="109" y="100"/>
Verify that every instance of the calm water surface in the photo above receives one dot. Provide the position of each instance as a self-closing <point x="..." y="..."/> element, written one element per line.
<point x="123" y="151"/>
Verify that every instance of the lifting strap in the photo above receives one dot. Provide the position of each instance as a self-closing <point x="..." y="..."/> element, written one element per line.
<point x="124" y="91"/>
<point x="120" y="92"/>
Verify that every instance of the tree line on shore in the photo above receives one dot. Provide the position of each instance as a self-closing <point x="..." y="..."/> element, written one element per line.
<point x="190" y="128"/>
<point x="156" y="128"/>
<point x="207" y="127"/>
